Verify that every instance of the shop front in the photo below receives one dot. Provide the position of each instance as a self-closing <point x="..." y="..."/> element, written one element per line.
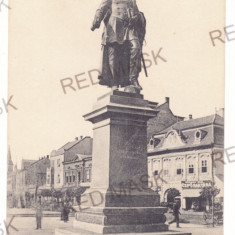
<point x="191" y="197"/>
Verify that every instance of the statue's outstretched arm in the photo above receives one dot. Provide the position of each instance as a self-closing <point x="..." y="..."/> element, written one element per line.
<point x="100" y="13"/>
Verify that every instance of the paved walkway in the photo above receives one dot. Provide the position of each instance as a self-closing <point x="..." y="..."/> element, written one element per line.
<point x="26" y="226"/>
<point x="27" y="212"/>
<point x="196" y="229"/>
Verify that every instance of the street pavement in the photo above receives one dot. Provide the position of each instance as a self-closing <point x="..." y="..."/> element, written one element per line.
<point x="27" y="225"/>
<point x="28" y="212"/>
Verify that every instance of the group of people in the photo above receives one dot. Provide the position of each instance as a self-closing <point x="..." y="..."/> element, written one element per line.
<point x="65" y="210"/>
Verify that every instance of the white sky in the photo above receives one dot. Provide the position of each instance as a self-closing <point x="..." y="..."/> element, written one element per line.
<point x="51" y="40"/>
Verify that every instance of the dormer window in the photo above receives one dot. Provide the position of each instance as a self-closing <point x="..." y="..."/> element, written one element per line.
<point x="198" y="136"/>
<point x="151" y="144"/>
<point x="154" y="142"/>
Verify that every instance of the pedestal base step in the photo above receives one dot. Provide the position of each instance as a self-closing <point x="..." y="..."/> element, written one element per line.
<point x="125" y="228"/>
<point x="74" y="231"/>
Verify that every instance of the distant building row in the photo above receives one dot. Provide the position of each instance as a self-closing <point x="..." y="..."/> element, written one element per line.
<point x="69" y="167"/>
<point x="180" y="154"/>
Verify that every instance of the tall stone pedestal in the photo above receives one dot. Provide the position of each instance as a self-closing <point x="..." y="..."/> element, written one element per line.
<point x="119" y="200"/>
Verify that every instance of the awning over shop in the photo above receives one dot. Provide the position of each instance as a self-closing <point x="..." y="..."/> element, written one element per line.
<point x="79" y="190"/>
<point x="44" y="187"/>
<point x="191" y="193"/>
<point x="31" y="190"/>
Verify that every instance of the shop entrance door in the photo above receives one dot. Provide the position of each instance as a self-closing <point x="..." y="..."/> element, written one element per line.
<point x="194" y="203"/>
<point x="189" y="203"/>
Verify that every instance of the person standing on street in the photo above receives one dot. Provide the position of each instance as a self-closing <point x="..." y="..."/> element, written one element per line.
<point x="66" y="211"/>
<point x="62" y="210"/>
<point x="176" y="214"/>
<point x="39" y="213"/>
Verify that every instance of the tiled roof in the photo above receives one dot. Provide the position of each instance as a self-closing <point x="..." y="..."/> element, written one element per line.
<point x="185" y="132"/>
<point x="68" y="145"/>
<point x="163" y="120"/>
<point x="193" y="123"/>
<point x="79" y="157"/>
<point x="26" y="163"/>
<point x="83" y="147"/>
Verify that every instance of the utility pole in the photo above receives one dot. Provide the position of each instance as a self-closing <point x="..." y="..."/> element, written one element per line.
<point x="37" y="185"/>
<point x="213" y="189"/>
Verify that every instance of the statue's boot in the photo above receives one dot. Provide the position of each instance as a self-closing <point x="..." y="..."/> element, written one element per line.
<point x="102" y="81"/>
<point x="114" y="88"/>
<point x="136" y="85"/>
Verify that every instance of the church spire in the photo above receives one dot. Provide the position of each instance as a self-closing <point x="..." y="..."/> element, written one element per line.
<point x="9" y="156"/>
<point x="9" y="160"/>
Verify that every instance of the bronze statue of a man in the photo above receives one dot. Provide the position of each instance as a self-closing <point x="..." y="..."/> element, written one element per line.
<point x="122" y="41"/>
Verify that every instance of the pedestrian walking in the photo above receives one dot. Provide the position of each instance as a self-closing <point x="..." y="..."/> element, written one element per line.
<point x="176" y="213"/>
<point x="39" y="214"/>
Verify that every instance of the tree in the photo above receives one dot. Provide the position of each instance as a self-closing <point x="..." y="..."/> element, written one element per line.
<point x="171" y="194"/>
<point x="70" y="193"/>
<point x="208" y="192"/>
<point x="57" y="195"/>
<point x="46" y="193"/>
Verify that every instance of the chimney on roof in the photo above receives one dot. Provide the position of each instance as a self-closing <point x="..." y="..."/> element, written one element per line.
<point x="47" y="156"/>
<point x="167" y="99"/>
<point x="190" y="116"/>
<point x="81" y="137"/>
<point x="76" y="138"/>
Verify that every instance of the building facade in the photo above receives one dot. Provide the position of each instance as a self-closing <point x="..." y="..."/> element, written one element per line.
<point x="56" y="172"/>
<point x="77" y="171"/>
<point x="181" y="159"/>
<point x="30" y="179"/>
<point x="78" y="164"/>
